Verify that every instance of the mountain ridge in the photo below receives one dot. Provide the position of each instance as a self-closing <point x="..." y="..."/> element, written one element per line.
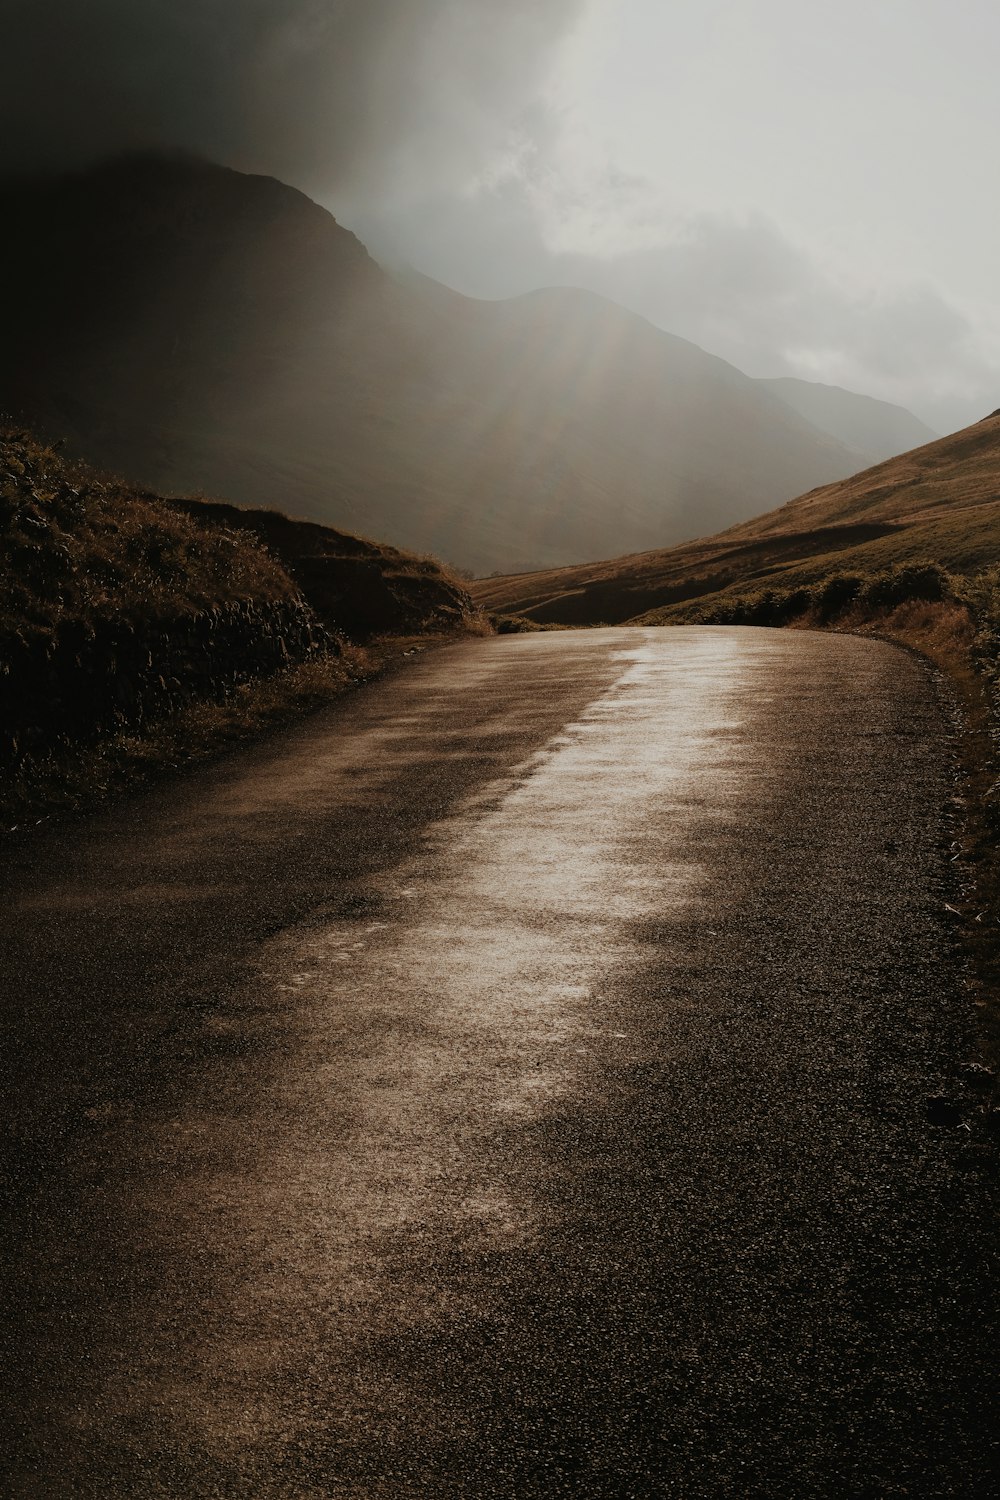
<point x="204" y="331"/>
<point x="875" y="429"/>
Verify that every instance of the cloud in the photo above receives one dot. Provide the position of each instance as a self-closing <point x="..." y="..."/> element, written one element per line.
<point x="431" y="127"/>
<point x="363" y="97"/>
<point x="743" y="290"/>
<point x="737" y="286"/>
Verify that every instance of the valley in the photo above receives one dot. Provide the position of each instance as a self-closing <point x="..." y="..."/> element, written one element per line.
<point x="200" y="330"/>
<point x="939" y="503"/>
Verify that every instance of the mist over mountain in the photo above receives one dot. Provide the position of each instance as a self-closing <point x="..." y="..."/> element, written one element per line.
<point x="202" y="330"/>
<point x="688" y="163"/>
<point x="875" y="429"/>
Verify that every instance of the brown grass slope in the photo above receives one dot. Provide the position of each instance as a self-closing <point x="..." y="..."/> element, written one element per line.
<point x="134" y="631"/>
<point x="78" y="547"/>
<point x="354" y="585"/>
<point x="210" y="332"/>
<point x="939" y="502"/>
<point x="117" y="613"/>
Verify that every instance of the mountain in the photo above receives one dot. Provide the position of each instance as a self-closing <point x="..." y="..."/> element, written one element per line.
<point x="203" y="330"/>
<point x="940" y="503"/>
<point x="875" y="429"/>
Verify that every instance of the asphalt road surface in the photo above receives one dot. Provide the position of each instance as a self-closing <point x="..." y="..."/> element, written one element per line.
<point x="509" y="1083"/>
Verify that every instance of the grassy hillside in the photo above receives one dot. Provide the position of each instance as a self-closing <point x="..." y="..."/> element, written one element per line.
<point x="355" y="586"/>
<point x="201" y="330"/>
<point x="940" y="502"/>
<point x="135" y="630"/>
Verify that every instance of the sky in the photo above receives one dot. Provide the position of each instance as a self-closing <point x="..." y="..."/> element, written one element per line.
<point x="800" y="188"/>
<point x="804" y="189"/>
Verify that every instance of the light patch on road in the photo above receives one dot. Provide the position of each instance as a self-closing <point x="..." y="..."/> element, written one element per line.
<point x="460" y="1003"/>
<point x="475" y="999"/>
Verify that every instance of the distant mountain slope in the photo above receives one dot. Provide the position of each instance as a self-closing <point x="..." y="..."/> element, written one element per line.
<point x="875" y="429"/>
<point x="940" y="502"/>
<point x="203" y="330"/>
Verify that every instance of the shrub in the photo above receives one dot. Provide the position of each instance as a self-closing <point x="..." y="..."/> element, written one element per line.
<point x="836" y="593"/>
<point x="833" y="595"/>
<point x="925" y="580"/>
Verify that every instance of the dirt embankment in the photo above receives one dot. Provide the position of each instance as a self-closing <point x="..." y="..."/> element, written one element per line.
<point x="136" y="632"/>
<point x="355" y="586"/>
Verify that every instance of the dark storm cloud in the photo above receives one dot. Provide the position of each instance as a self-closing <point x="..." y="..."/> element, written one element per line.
<point x="356" y="95"/>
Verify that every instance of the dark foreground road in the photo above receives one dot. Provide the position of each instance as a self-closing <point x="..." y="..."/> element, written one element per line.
<point x="509" y="1084"/>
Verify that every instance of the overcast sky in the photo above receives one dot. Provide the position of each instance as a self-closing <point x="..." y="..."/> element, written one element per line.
<point x="803" y="188"/>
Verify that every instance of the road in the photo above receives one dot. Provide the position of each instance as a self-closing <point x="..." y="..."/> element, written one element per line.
<point x="509" y="1083"/>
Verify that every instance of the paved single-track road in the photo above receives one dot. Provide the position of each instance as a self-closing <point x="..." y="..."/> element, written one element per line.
<point x="509" y="1083"/>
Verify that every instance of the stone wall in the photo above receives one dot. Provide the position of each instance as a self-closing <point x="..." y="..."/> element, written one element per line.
<point x="80" y="684"/>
